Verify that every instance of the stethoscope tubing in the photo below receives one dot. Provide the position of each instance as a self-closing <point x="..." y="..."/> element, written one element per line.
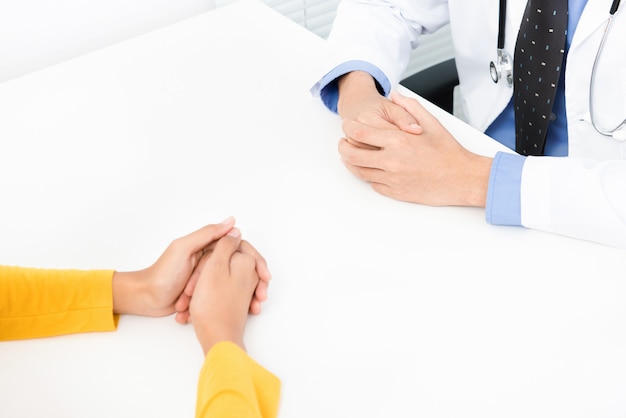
<point x="606" y="132"/>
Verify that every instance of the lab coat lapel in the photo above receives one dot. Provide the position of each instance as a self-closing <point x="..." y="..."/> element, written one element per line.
<point x="515" y="13"/>
<point x="594" y="15"/>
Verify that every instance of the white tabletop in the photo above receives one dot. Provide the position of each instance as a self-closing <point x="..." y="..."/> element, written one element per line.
<point x="377" y="308"/>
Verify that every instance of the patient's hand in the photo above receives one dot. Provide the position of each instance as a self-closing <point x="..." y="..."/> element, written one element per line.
<point x="221" y="299"/>
<point x="166" y="286"/>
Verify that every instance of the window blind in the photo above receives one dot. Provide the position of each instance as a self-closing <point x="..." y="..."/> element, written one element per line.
<point x="315" y="15"/>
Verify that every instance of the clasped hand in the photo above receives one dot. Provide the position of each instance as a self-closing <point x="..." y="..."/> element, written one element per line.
<point x="405" y="153"/>
<point x="171" y="283"/>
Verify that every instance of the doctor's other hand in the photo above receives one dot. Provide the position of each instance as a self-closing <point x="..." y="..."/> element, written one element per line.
<point x="155" y="291"/>
<point x="221" y="299"/>
<point x="429" y="168"/>
<point x="360" y="101"/>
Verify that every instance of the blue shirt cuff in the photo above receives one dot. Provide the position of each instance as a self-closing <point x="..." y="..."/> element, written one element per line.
<point x="504" y="205"/>
<point x="327" y="86"/>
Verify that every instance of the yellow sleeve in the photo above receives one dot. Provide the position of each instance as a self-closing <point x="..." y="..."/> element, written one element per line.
<point x="233" y="385"/>
<point x="45" y="302"/>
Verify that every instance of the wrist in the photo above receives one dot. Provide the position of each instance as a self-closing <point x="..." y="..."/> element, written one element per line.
<point x="209" y="335"/>
<point x="124" y="288"/>
<point x="131" y="294"/>
<point x="478" y="182"/>
<point x="352" y="87"/>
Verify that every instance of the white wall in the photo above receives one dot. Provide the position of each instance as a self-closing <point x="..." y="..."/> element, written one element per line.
<point x="38" y="33"/>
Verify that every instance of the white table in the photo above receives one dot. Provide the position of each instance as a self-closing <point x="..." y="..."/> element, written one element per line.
<point x="378" y="308"/>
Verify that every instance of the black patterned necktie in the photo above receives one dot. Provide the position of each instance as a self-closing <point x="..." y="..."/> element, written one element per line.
<point x="537" y="66"/>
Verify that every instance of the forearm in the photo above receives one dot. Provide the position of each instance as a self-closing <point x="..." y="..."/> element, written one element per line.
<point x="47" y="302"/>
<point x="131" y="292"/>
<point x="475" y="181"/>
<point x="374" y="32"/>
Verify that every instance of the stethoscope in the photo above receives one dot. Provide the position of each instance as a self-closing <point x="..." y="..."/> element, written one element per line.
<point x="504" y="62"/>
<point x="502" y="68"/>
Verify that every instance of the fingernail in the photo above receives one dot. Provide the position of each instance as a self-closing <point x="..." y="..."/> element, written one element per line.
<point x="235" y="232"/>
<point x="414" y="126"/>
<point x="228" y="220"/>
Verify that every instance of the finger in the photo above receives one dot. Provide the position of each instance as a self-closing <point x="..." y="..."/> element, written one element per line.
<point x="260" y="292"/>
<point x="385" y="190"/>
<point x="255" y="307"/>
<point x="182" y="317"/>
<point x="209" y="248"/>
<point x="204" y="236"/>
<point x="371" y="175"/>
<point x="361" y="145"/>
<point x="363" y="134"/>
<point x="374" y="177"/>
<point x="412" y="106"/>
<point x="244" y="266"/>
<point x="358" y="156"/>
<point x="401" y="118"/>
<point x="261" y="265"/>
<point x="226" y="247"/>
<point x="375" y="138"/>
<point x="182" y="303"/>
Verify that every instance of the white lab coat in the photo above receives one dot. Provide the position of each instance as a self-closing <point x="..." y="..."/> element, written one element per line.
<point x="583" y="196"/>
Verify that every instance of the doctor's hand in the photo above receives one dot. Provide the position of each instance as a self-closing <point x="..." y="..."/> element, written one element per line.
<point x="227" y="281"/>
<point x="430" y="168"/>
<point x="360" y="101"/>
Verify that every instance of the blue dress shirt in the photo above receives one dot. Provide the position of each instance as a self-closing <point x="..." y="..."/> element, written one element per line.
<point x="503" y="195"/>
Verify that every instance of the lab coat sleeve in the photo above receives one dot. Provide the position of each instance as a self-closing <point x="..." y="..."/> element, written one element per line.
<point x="380" y="32"/>
<point x="576" y="197"/>
<point x="328" y="89"/>
<point x="232" y="384"/>
<point x="46" y="302"/>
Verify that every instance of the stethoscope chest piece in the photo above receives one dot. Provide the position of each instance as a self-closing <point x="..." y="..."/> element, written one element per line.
<point x="502" y="68"/>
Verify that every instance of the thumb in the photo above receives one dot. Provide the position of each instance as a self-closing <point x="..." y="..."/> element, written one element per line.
<point x="204" y="236"/>
<point x="227" y="246"/>
<point x="411" y="106"/>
